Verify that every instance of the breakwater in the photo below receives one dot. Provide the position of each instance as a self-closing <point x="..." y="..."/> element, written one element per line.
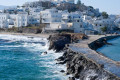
<point x="101" y="42"/>
<point x="84" y="63"/>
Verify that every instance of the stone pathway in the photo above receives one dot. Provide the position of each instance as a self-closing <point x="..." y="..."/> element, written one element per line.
<point x="82" y="47"/>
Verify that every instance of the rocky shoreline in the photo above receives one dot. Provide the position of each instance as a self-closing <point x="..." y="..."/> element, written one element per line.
<point x="101" y="42"/>
<point x="83" y="68"/>
<point x="78" y="63"/>
<point x="59" y="41"/>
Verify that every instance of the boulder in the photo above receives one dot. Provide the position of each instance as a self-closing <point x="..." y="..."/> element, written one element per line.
<point x="59" y="41"/>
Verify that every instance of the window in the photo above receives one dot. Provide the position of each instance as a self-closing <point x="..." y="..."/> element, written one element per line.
<point x="23" y="24"/>
<point x="80" y="26"/>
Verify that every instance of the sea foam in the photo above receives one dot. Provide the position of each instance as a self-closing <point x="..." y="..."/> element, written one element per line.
<point x="37" y="45"/>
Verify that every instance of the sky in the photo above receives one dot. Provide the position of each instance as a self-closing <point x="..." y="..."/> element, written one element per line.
<point x="110" y="6"/>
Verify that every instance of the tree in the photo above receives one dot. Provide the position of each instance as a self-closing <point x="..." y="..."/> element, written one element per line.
<point x="105" y="15"/>
<point x="104" y="29"/>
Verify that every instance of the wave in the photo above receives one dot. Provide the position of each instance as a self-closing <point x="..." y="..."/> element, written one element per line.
<point x="37" y="46"/>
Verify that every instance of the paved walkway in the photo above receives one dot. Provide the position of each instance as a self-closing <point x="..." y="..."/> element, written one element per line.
<point x="82" y="47"/>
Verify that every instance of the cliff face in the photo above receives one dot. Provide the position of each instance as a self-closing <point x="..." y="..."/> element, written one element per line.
<point x="83" y="68"/>
<point x="58" y="41"/>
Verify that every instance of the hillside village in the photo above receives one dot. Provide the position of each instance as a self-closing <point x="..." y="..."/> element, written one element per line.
<point x="52" y="15"/>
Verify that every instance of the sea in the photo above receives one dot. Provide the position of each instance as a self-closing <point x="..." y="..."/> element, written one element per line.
<point x="22" y="58"/>
<point x="111" y="51"/>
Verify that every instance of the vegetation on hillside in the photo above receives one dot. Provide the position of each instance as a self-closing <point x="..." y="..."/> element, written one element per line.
<point x="104" y="29"/>
<point x="105" y="15"/>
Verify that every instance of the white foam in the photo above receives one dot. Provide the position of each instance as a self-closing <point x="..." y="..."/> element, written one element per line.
<point x="22" y="38"/>
<point x="32" y="44"/>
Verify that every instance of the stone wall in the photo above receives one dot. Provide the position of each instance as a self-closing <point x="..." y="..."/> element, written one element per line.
<point x="101" y="42"/>
<point x="83" y="68"/>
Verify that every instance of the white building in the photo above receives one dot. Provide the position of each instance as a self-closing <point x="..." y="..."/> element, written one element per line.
<point x="34" y="11"/>
<point x="117" y="22"/>
<point x="21" y="20"/>
<point x="83" y="24"/>
<point x="52" y="18"/>
<point x="69" y="17"/>
<point x="13" y="20"/>
<point x="3" y="20"/>
<point x="98" y="24"/>
<point x="34" y="15"/>
<point x="78" y="25"/>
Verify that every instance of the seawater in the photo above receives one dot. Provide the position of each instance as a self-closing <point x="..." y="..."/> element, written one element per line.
<point x="21" y="59"/>
<point x="112" y="51"/>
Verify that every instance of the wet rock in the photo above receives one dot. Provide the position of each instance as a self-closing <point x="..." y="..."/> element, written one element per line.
<point x="71" y="78"/>
<point x="93" y="77"/>
<point x="62" y="71"/>
<point x="60" y="58"/>
<point x="59" y="41"/>
<point x="83" y="68"/>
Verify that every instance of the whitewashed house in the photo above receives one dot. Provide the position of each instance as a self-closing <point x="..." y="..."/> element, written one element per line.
<point x="13" y="20"/>
<point x="88" y="21"/>
<point x="99" y="23"/>
<point x="52" y="18"/>
<point x="3" y="20"/>
<point x="83" y="25"/>
<point x="65" y="17"/>
<point x="33" y="20"/>
<point x="117" y="22"/>
<point x="21" y="20"/>
<point x="78" y="26"/>
<point x="34" y="15"/>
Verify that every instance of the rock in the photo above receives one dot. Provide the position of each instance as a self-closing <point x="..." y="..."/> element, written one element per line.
<point x="81" y="67"/>
<point x="71" y="78"/>
<point x="62" y="71"/>
<point x="93" y="77"/>
<point x="60" y="58"/>
<point x="59" y="41"/>
<point x="44" y="53"/>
